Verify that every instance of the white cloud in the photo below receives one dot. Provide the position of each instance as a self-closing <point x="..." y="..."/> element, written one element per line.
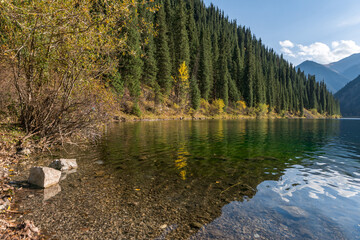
<point x="320" y="52"/>
<point x="288" y="52"/>
<point x="286" y="44"/>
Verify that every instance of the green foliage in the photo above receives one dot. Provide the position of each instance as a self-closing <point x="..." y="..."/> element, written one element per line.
<point x="162" y="53"/>
<point x="261" y="110"/>
<point x="130" y="64"/>
<point x="205" y="65"/>
<point x="181" y="39"/>
<point x="136" y="110"/>
<point x="194" y="94"/>
<point x="249" y="73"/>
<point x="150" y="66"/>
<point x="117" y="83"/>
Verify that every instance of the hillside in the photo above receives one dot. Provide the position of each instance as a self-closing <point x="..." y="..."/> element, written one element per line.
<point x="334" y="81"/>
<point x="349" y="98"/>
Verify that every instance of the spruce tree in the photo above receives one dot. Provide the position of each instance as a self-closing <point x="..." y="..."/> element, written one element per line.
<point x="150" y="69"/>
<point x="249" y="73"/>
<point x="223" y="75"/>
<point x="182" y="52"/>
<point x="169" y="20"/>
<point x="162" y="54"/>
<point x="204" y="66"/>
<point x="130" y="65"/>
<point x="193" y="40"/>
<point x="194" y="94"/>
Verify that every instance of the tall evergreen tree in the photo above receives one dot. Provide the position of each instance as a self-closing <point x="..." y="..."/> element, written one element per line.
<point x="130" y="65"/>
<point x="162" y="54"/>
<point x="205" y="64"/>
<point x="194" y="94"/>
<point x="249" y="74"/>
<point x="182" y="52"/>
<point x="223" y="75"/>
<point x="169" y="6"/>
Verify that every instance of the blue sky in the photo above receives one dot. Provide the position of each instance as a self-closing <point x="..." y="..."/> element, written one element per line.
<point x="321" y="30"/>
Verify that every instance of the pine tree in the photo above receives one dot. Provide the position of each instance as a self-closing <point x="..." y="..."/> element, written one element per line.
<point x="169" y="20"/>
<point x="130" y="65"/>
<point x="205" y="64"/>
<point x="150" y="69"/>
<point x="223" y="75"/>
<point x="194" y="94"/>
<point x="148" y="56"/>
<point x="249" y="74"/>
<point x="162" y="54"/>
<point x="193" y="40"/>
<point x="182" y="53"/>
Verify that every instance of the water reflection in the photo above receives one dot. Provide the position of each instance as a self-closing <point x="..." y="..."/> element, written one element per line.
<point x="272" y="179"/>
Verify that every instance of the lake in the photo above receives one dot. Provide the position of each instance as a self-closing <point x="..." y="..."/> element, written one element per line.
<point x="212" y="179"/>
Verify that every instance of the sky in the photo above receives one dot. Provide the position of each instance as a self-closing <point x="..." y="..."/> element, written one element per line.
<point x="323" y="31"/>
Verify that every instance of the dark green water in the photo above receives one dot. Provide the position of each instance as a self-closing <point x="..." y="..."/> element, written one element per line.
<point x="249" y="179"/>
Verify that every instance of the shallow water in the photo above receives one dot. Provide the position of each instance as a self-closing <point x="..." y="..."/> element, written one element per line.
<point x="216" y="179"/>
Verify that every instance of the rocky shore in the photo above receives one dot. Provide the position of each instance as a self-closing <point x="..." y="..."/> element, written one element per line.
<point x="10" y="227"/>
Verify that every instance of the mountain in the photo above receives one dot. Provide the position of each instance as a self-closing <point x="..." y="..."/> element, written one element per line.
<point x="337" y="74"/>
<point x="349" y="67"/>
<point x="349" y="98"/>
<point x="334" y="81"/>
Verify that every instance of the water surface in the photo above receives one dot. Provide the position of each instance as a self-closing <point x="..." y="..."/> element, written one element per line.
<point x="216" y="179"/>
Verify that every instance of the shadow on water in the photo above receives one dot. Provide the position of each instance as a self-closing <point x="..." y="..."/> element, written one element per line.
<point x="206" y="179"/>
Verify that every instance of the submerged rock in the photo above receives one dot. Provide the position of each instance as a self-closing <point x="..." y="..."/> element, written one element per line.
<point x="44" y="177"/>
<point x="64" y="164"/>
<point x="99" y="162"/>
<point x="295" y="211"/>
<point x="196" y="225"/>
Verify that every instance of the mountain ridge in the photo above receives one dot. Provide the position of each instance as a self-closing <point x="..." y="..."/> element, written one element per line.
<point x="334" y="81"/>
<point x="349" y="98"/>
<point x="336" y="74"/>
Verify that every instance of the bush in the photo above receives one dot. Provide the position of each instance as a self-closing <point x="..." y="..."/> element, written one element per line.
<point x="217" y="106"/>
<point x="241" y="106"/>
<point x="136" y="110"/>
<point x="204" y="107"/>
<point x="262" y="109"/>
<point x="314" y="111"/>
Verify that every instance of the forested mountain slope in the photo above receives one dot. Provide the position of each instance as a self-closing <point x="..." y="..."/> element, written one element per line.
<point x="349" y="98"/>
<point x="333" y="80"/>
<point x="224" y="61"/>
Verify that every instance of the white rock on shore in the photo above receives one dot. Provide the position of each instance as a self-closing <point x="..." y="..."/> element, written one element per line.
<point x="44" y="177"/>
<point x="64" y="164"/>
